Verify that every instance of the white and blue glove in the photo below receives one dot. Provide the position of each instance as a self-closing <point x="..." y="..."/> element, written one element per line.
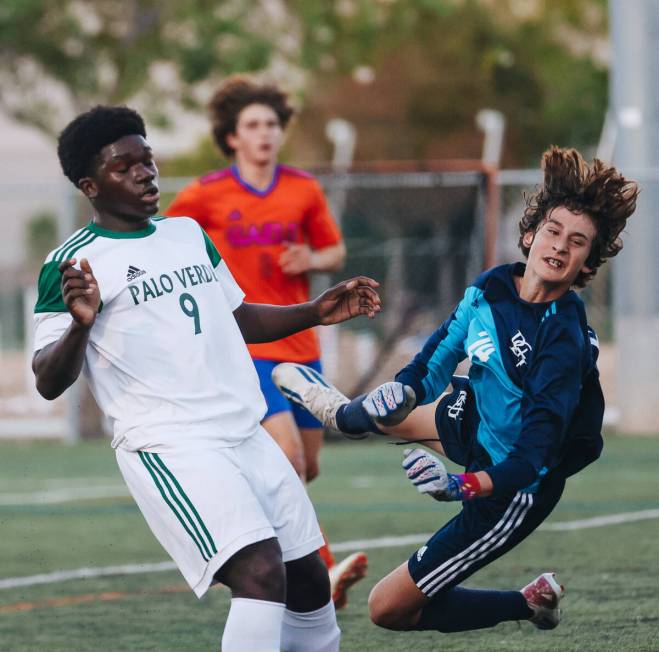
<point x="430" y="477"/>
<point x="389" y="404"/>
<point x="427" y="473"/>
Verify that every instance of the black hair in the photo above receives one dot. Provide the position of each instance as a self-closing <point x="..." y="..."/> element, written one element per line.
<point x="81" y="141"/>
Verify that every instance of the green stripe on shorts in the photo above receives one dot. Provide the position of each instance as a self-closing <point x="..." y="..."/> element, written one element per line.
<point x="159" y="479"/>
<point x="187" y="500"/>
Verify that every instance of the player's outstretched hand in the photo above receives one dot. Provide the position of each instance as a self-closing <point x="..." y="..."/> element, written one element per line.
<point x="348" y="299"/>
<point x="80" y="291"/>
<point x="390" y="403"/>
<point x="427" y="473"/>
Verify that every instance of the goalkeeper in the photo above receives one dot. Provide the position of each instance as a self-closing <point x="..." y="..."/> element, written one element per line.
<point x="528" y="416"/>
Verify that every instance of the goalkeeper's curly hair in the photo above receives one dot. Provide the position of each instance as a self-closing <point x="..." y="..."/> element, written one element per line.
<point x="233" y="96"/>
<point x="82" y="139"/>
<point x="598" y="190"/>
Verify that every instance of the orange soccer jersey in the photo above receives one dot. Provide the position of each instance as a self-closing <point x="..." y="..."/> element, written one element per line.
<point x="250" y="229"/>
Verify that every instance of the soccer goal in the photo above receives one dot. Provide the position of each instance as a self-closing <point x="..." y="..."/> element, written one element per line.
<point x="424" y="230"/>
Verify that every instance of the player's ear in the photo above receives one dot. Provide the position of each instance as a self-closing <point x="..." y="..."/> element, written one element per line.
<point x="586" y="270"/>
<point x="88" y="187"/>
<point x="231" y="140"/>
<point x="527" y="239"/>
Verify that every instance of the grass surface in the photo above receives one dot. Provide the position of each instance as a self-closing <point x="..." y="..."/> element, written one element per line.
<point x="611" y="573"/>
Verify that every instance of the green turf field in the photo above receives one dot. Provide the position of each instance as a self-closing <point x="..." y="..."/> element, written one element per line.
<point x="611" y="573"/>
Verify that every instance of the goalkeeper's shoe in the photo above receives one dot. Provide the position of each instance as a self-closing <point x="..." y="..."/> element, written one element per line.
<point x="344" y="574"/>
<point x="306" y="387"/>
<point x="543" y="596"/>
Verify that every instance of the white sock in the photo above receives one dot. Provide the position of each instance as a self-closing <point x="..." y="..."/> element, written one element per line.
<point x="253" y="625"/>
<point x="314" y="631"/>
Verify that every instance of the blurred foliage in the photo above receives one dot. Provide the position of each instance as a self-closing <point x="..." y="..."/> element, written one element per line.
<point x="433" y="65"/>
<point x="41" y="236"/>
<point x="205" y="156"/>
<point x="410" y="73"/>
<point x="60" y="58"/>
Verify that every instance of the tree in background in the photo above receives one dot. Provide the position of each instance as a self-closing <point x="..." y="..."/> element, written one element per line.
<point x="411" y="74"/>
<point x="60" y="58"/>
<point x="429" y="67"/>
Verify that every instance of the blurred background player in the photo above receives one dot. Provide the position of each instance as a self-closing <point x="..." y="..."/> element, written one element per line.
<point x="528" y="416"/>
<point x="273" y="227"/>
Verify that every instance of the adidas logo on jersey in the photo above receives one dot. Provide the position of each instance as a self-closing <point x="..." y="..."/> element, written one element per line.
<point x="420" y="552"/>
<point x="134" y="272"/>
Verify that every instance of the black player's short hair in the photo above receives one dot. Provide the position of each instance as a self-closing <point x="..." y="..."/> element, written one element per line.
<point x="81" y="141"/>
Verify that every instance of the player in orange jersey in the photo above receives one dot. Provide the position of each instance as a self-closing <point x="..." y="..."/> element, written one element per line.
<point x="273" y="228"/>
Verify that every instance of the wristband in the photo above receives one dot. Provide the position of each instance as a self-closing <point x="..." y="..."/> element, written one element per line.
<point x="463" y="486"/>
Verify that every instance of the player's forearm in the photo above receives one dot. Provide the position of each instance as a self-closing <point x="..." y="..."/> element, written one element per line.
<point x="259" y="322"/>
<point x="328" y="259"/>
<point x="58" y="365"/>
<point x="512" y="474"/>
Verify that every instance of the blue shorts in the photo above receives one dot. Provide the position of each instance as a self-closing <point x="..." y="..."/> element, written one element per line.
<point x="277" y="402"/>
<point x="485" y="528"/>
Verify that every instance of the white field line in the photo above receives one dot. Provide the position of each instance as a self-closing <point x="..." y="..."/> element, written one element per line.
<point x="599" y="521"/>
<point x="558" y="526"/>
<point x="359" y="544"/>
<point x="64" y="495"/>
<point x="85" y="573"/>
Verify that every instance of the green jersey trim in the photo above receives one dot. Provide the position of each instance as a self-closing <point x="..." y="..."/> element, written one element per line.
<point x="50" y="289"/>
<point x="76" y="237"/>
<point x="211" y="250"/>
<point x="50" y="297"/>
<point x="122" y="235"/>
<point x="66" y="251"/>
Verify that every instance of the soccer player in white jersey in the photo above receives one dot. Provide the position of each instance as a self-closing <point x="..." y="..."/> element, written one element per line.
<point x="147" y="309"/>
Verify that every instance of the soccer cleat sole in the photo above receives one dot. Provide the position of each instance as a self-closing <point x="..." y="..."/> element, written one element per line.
<point x="543" y="596"/>
<point x="346" y="574"/>
<point x="308" y="388"/>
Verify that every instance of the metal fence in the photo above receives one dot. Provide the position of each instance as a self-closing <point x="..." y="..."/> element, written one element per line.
<point x="423" y="233"/>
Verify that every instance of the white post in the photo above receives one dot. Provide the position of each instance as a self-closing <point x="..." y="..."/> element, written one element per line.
<point x="493" y="125"/>
<point x="634" y="104"/>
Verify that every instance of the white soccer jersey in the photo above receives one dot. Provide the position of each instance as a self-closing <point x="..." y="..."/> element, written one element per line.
<point x="166" y="360"/>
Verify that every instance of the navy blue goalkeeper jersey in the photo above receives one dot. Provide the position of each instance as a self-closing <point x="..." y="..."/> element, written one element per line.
<point x="532" y="365"/>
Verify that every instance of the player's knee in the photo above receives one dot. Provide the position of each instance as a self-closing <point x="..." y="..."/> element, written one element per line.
<point x="383" y="612"/>
<point x="308" y="586"/>
<point x="256" y="572"/>
<point x="295" y="456"/>
<point x="312" y="470"/>
<point x="300" y="465"/>
<point x="264" y="579"/>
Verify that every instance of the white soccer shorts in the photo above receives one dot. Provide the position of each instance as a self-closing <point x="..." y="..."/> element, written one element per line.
<point x="205" y="503"/>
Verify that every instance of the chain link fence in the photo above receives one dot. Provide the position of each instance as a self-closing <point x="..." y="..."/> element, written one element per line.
<point x="424" y="234"/>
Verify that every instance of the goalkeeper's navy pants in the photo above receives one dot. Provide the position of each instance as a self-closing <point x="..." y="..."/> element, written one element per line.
<point x="485" y="528"/>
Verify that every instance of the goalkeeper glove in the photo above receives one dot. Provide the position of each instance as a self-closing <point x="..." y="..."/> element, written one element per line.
<point x="386" y="405"/>
<point x="429" y="475"/>
<point x="390" y="403"/>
